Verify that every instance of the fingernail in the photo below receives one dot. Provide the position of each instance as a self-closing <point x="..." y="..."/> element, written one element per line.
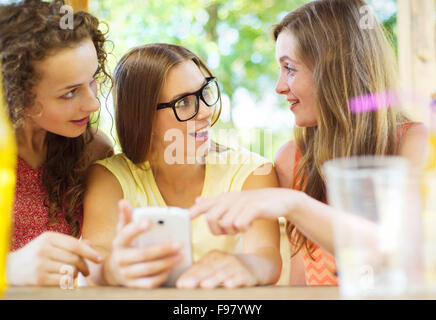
<point x="206" y="284"/>
<point x="187" y="283"/>
<point x="177" y="245"/>
<point x="144" y="224"/>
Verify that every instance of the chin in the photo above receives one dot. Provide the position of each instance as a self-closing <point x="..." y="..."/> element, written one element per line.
<point x="202" y="149"/>
<point x="68" y="134"/>
<point x="305" y="123"/>
<point x="75" y="134"/>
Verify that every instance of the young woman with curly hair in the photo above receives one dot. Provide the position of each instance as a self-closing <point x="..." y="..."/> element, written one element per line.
<point x="50" y="81"/>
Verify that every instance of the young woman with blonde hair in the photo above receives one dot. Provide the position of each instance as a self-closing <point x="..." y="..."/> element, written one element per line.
<point x="164" y="91"/>
<point x="326" y="58"/>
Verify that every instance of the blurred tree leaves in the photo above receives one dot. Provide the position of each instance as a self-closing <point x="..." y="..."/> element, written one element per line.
<point x="233" y="37"/>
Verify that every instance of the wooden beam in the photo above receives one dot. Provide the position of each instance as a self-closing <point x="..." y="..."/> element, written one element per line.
<point x="417" y="54"/>
<point x="78" y="5"/>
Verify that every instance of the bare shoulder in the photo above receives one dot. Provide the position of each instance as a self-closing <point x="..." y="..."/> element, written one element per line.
<point x="265" y="177"/>
<point x="100" y="177"/>
<point x="103" y="191"/>
<point x="101" y="146"/>
<point x="418" y="129"/>
<point x="284" y="163"/>
<point x="414" y="145"/>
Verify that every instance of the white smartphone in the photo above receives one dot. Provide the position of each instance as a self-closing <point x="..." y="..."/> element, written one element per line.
<point x="168" y="224"/>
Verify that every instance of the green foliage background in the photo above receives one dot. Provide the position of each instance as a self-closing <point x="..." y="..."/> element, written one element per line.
<point x="234" y="37"/>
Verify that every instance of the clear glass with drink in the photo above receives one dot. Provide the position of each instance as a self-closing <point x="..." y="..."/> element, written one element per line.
<point x="428" y="183"/>
<point x="370" y="192"/>
<point x="429" y="216"/>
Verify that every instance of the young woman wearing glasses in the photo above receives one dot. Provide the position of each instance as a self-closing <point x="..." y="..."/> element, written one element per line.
<point x="166" y="102"/>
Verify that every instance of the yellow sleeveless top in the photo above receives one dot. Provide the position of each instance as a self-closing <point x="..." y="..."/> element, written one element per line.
<point x="225" y="171"/>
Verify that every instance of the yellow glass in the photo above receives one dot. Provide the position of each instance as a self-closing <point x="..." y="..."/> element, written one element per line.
<point x="431" y="163"/>
<point x="8" y="159"/>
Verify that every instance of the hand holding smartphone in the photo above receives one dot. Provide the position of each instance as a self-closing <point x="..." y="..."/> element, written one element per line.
<point x="168" y="224"/>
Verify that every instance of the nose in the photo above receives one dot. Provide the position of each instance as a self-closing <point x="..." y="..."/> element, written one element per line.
<point x="204" y="111"/>
<point x="282" y="86"/>
<point x="90" y="102"/>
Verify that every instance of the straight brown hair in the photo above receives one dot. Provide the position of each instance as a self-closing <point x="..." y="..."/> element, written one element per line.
<point x="138" y="80"/>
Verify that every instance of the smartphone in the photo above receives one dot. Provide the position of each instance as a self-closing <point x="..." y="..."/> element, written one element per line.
<point x="168" y="224"/>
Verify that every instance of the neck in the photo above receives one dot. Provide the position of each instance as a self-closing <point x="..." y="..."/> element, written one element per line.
<point x="31" y="142"/>
<point x="178" y="176"/>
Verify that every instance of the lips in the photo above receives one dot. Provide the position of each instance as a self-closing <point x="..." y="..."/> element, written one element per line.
<point x="201" y="135"/>
<point x="81" y="122"/>
<point x="294" y="104"/>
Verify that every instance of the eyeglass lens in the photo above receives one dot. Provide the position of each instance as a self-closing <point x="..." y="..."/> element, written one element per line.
<point x="188" y="106"/>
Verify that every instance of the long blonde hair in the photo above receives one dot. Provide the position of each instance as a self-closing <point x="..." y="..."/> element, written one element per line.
<point x="347" y="61"/>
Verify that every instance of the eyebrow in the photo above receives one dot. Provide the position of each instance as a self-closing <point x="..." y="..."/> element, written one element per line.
<point x="76" y="85"/>
<point x="187" y="93"/>
<point x="285" y="58"/>
<point x="70" y="87"/>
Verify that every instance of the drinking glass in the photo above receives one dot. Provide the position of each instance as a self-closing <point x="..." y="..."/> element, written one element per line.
<point x="370" y="195"/>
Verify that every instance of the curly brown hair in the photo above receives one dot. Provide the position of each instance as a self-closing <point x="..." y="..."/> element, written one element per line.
<point x="30" y="31"/>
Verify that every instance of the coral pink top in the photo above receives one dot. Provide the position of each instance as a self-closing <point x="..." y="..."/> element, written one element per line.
<point x="320" y="268"/>
<point x="30" y="217"/>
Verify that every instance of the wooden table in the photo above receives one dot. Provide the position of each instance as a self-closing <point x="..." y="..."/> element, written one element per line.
<point x="109" y="293"/>
<point x="254" y="293"/>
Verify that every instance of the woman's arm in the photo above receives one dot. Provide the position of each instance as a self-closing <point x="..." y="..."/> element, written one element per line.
<point x="241" y="209"/>
<point x="261" y="243"/>
<point x="312" y="217"/>
<point x="108" y="225"/>
<point x="413" y="147"/>
<point x="303" y="211"/>
<point x="260" y="261"/>
<point x="103" y="191"/>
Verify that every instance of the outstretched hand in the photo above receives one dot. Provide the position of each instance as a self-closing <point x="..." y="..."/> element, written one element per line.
<point x="233" y="212"/>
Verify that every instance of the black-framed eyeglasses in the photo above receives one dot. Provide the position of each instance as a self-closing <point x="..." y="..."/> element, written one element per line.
<point x="186" y="107"/>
